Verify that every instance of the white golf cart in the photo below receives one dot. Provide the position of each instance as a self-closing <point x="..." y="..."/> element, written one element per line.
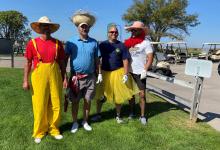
<point x="160" y="65"/>
<point x="176" y="52"/>
<point x="210" y="51"/>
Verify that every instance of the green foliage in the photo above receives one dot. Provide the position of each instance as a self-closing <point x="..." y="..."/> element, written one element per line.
<point x="168" y="126"/>
<point x="165" y="18"/>
<point x="13" y="26"/>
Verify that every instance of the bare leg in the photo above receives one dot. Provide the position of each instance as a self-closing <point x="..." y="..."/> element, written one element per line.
<point x="75" y="108"/>
<point x="98" y="106"/>
<point x="132" y="104"/>
<point x="142" y="102"/>
<point x="86" y="110"/>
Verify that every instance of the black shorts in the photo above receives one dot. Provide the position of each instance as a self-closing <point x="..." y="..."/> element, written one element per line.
<point x="141" y="83"/>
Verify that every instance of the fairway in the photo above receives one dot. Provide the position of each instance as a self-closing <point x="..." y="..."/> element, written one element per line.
<point x="168" y="127"/>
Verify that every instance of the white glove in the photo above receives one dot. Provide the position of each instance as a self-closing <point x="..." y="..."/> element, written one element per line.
<point x="125" y="78"/>
<point x="99" y="79"/>
<point x="143" y="74"/>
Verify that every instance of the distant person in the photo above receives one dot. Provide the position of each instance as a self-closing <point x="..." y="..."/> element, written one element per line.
<point x="84" y="62"/>
<point x="47" y="55"/>
<point x="141" y="60"/>
<point x="117" y="82"/>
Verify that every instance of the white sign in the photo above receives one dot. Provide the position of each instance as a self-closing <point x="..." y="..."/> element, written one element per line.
<point x="198" y="67"/>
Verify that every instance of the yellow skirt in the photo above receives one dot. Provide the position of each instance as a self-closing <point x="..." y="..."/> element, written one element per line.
<point x="114" y="89"/>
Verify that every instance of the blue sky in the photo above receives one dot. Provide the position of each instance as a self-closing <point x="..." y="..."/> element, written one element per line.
<point x="112" y="11"/>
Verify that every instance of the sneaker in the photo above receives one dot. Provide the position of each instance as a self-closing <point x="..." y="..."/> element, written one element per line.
<point x="119" y="120"/>
<point x="96" y="118"/>
<point x="74" y="127"/>
<point x="58" y="137"/>
<point x="143" y="120"/>
<point x="37" y="140"/>
<point x="131" y="116"/>
<point x="86" y="126"/>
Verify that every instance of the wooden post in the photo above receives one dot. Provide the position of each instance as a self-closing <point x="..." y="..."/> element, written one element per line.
<point x="196" y="99"/>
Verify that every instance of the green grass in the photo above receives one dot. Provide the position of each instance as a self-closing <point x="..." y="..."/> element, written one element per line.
<point x="168" y="128"/>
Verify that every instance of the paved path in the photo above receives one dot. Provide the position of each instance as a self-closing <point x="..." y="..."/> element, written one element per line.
<point x="210" y="100"/>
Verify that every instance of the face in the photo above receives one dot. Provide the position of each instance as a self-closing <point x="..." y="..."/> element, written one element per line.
<point x="136" y="32"/>
<point x="113" y="33"/>
<point x="45" y="28"/>
<point x="83" y="30"/>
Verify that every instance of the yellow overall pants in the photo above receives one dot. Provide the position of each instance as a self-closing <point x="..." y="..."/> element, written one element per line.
<point x="47" y="92"/>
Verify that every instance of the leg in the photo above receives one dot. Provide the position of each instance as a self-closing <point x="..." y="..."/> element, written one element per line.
<point x="75" y="108"/>
<point x="132" y="107"/>
<point x="40" y="98"/>
<point x="86" y="110"/>
<point x="118" y="112"/>
<point x="54" y="111"/>
<point x="142" y="102"/>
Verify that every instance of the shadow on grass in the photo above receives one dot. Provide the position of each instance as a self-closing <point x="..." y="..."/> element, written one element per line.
<point x="152" y="109"/>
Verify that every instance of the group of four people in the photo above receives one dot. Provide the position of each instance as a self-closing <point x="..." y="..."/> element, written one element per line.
<point x="111" y="69"/>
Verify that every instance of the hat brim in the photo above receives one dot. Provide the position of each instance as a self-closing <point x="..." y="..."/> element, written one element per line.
<point x="52" y="26"/>
<point x="145" y="29"/>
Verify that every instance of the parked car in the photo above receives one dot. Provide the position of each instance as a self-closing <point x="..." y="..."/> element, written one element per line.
<point x="210" y="51"/>
<point x="160" y="64"/>
<point x="176" y="52"/>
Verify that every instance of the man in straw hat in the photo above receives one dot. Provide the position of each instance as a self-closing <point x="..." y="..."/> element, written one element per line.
<point x="84" y="62"/>
<point x="47" y="55"/>
<point x="142" y="58"/>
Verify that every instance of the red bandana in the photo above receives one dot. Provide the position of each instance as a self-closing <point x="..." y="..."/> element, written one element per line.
<point x="132" y="41"/>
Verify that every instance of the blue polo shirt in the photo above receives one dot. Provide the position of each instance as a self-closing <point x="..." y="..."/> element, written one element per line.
<point x="113" y="55"/>
<point x="82" y="54"/>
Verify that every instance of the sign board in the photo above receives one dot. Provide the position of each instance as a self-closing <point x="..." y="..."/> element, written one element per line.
<point x="198" y="67"/>
<point x="5" y="46"/>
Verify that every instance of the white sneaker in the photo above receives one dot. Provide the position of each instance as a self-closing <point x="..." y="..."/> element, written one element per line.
<point x="58" y="137"/>
<point x="37" y="140"/>
<point x="119" y="120"/>
<point x="143" y="120"/>
<point x="86" y="126"/>
<point x="75" y="127"/>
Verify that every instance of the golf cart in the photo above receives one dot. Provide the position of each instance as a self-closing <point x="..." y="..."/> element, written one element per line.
<point x="176" y="52"/>
<point x="210" y="51"/>
<point x="160" y="65"/>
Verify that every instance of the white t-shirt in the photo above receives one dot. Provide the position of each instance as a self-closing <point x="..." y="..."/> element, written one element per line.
<point x="138" y="55"/>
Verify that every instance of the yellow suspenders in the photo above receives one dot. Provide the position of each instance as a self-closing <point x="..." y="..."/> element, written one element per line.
<point x="38" y="54"/>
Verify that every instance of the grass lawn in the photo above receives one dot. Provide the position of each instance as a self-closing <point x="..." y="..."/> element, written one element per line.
<point x="168" y="127"/>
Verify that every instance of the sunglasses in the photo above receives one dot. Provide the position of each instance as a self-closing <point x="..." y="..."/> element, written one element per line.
<point x="112" y="32"/>
<point x="134" y="30"/>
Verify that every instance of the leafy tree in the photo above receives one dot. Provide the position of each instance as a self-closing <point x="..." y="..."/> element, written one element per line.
<point x="13" y="26"/>
<point x="164" y="18"/>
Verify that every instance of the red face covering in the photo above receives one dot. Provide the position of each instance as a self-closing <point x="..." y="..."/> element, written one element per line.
<point x="132" y="41"/>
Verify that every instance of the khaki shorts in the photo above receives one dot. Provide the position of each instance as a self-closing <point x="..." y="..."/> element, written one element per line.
<point x="86" y="87"/>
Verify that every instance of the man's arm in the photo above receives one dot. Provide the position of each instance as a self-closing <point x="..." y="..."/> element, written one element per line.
<point x="125" y="65"/>
<point x="98" y="65"/>
<point x="27" y="70"/>
<point x="149" y="61"/>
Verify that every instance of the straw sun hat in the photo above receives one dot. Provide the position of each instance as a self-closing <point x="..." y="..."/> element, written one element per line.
<point x="44" y="20"/>
<point x="137" y="25"/>
<point x="83" y="17"/>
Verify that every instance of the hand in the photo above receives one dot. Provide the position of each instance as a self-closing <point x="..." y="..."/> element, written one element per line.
<point x="65" y="83"/>
<point x="26" y="85"/>
<point x="125" y="78"/>
<point x="99" y="79"/>
<point x="143" y="74"/>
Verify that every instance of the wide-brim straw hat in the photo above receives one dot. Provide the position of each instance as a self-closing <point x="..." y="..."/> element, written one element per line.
<point x="44" y="20"/>
<point x="83" y="17"/>
<point x="137" y="25"/>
